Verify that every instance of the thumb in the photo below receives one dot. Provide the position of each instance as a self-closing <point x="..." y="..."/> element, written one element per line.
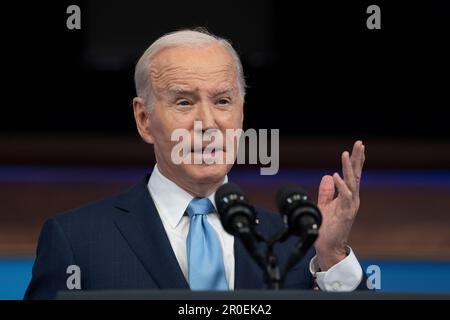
<point x="326" y="191"/>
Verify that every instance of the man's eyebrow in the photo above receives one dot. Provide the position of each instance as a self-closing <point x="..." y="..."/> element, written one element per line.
<point x="180" y="90"/>
<point x="218" y="92"/>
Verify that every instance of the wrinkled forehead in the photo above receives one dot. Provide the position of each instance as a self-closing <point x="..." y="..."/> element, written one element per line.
<point x="178" y="67"/>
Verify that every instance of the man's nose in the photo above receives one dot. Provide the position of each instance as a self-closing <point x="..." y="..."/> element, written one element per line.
<point x="206" y="116"/>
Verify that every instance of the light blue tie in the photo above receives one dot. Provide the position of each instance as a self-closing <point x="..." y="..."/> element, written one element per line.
<point x="205" y="258"/>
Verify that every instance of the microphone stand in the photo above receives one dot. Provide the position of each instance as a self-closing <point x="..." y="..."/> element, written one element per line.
<point x="268" y="262"/>
<point x="274" y="279"/>
<point x="273" y="276"/>
<point x="306" y="241"/>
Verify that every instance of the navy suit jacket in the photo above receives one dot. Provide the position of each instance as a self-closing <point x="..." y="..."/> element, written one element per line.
<point x="120" y="243"/>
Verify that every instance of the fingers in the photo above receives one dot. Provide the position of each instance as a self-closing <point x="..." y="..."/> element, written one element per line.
<point x="347" y="170"/>
<point x="326" y="191"/>
<point x="348" y="187"/>
<point x="352" y="166"/>
<point x="342" y="187"/>
<point x="357" y="160"/>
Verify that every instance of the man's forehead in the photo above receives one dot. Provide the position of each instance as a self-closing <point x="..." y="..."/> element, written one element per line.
<point x="192" y="62"/>
<point x="191" y="70"/>
<point x="171" y="71"/>
<point x="212" y="89"/>
<point x="180" y="79"/>
<point x="211" y="53"/>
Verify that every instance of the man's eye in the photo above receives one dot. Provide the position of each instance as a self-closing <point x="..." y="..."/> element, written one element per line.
<point x="183" y="103"/>
<point x="223" y="101"/>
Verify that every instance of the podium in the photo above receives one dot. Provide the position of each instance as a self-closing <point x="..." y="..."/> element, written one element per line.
<point x="247" y="295"/>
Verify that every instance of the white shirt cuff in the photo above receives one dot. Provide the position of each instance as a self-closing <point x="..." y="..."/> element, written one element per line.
<point x="342" y="277"/>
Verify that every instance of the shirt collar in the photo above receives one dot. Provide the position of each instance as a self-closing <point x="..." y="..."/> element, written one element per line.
<point x="170" y="199"/>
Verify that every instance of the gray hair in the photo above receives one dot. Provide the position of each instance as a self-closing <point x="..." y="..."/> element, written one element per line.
<point x="187" y="37"/>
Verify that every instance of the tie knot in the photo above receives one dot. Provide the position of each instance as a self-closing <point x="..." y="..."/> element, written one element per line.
<point x="200" y="206"/>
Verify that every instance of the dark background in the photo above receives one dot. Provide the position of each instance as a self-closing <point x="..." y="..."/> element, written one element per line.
<point x="313" y="68"/>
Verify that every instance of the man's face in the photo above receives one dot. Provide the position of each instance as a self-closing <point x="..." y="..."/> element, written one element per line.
<point x="193" y="84"/>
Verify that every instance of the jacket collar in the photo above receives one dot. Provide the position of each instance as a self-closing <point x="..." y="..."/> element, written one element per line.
<point x="141" y="226"/>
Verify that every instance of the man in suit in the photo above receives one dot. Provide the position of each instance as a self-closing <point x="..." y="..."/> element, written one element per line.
<point x="164" y="232"/>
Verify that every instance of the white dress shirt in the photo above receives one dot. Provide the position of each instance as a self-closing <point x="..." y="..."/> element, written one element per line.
<point x="171" y="202"/>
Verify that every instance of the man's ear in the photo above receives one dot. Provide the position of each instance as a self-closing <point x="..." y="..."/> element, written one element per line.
<point x="142" y="118"/>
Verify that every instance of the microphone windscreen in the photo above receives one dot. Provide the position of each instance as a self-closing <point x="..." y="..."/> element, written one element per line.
<point x="225" y="190"/>
<point x="287" y="191"/>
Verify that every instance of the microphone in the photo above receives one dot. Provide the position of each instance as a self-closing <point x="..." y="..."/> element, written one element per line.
<point x="303" y="219"/>
<point x="235" y="211"/>
<point x="301" y="215"/>
<point x="238" y="218"/>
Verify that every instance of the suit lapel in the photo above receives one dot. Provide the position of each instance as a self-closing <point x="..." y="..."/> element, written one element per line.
<point x="140" y="224"/>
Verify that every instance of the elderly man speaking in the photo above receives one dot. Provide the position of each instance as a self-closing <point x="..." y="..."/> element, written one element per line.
<point x="165" y="233"/>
